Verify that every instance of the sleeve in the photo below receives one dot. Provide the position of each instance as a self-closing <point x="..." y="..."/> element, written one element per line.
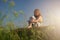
<point x="32" y="18"/>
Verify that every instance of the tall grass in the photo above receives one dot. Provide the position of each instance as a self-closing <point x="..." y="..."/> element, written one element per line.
<point x="42" y="33"/>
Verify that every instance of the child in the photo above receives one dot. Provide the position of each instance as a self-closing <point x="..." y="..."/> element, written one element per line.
<point x="35" y="20"/>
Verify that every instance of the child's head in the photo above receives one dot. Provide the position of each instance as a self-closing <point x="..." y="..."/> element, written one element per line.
<point x="36" y="12"/>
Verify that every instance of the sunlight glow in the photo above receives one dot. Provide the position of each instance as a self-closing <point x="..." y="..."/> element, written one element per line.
<point x="54" y="16"/>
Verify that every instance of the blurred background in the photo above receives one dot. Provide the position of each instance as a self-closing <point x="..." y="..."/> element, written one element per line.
<point x="17" y="12"/>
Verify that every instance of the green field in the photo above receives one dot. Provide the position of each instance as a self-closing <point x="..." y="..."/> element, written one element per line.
<point x="42" y="33"/>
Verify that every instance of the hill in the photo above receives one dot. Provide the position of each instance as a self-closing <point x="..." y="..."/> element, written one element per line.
<point x="42" y="33"/>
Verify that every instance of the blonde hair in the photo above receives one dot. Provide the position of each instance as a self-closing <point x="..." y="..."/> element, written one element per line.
<point x="35" y="11"/>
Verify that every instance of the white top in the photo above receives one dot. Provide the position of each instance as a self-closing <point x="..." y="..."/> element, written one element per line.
<point x="38" y="23"/>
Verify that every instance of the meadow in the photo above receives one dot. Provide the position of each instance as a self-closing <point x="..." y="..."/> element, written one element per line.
<point x="42" y="33"/>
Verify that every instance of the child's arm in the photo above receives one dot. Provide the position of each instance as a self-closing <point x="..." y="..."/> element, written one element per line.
<point x="39" y="19"/>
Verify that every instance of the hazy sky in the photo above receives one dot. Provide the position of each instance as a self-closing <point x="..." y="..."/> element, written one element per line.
<point x="50" y="10"/>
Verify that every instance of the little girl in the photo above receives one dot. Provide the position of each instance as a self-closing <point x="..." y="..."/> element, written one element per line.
<point x="35" y="21"/>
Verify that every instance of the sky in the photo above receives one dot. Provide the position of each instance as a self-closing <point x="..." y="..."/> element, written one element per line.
<point x="50" y="10"/>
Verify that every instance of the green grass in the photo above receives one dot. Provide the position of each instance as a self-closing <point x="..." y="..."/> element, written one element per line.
<point x="42" y="33"/>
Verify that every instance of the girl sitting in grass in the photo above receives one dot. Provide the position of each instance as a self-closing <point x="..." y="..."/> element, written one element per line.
<point x="36" y="20"/>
